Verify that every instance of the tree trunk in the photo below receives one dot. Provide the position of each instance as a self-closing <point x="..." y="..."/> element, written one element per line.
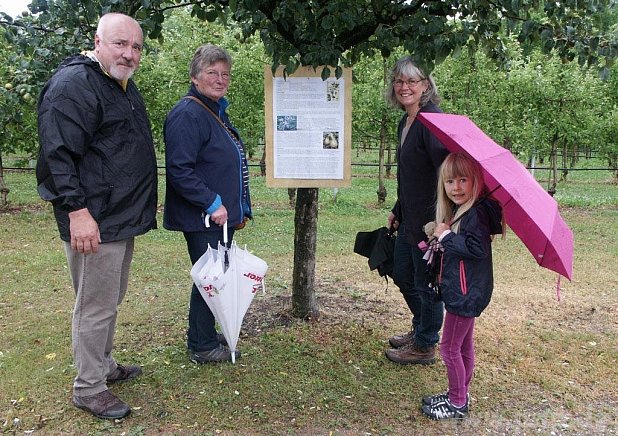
<point x="389" y="159"/>
<point x="381" y="188"/>
<point x="4" y="189"/>
<point x="304" y="303"/>
<point x="565" y="166"/>
<point x="574" y="156"/>
<point x="292" y="196"/>
<point x="551" y="184"/>
<point x="612" y="161"/>
<point x="381" y="169"/>
<point x="263" y="163"/>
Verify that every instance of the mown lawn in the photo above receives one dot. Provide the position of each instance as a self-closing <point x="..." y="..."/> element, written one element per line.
<point x="544" y="366"/>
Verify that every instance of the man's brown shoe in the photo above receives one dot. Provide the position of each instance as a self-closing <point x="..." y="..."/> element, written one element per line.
<point x="103" y="405"/>
<point x="399" y="341"/>
<point x="124" y="373"/>
<point x="412" y="354"/>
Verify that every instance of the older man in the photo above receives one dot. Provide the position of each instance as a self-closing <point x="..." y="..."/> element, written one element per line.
<point x="97" y="167"/>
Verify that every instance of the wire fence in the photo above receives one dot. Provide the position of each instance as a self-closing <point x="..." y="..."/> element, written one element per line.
<point x="365" y="157"/>
<point x="392" y="167"/>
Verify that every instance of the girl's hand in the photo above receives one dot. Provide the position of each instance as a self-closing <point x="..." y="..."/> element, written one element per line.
<point x="441" y="228"/>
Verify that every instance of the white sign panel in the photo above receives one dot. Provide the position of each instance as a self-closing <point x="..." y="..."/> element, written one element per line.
<point x="309" y="125"/>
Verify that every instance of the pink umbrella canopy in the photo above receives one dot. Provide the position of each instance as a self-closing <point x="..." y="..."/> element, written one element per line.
<point x="528" y="209"/>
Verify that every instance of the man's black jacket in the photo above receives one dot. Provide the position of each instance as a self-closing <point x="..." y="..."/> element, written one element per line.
<point x="96" y="151"/>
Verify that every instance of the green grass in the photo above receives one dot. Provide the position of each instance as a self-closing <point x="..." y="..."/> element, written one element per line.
<point x="586" y="186"/>
<point x="543" y="365"/>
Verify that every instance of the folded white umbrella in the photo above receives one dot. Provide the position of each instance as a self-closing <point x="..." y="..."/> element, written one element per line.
<point x="228" y="279"/>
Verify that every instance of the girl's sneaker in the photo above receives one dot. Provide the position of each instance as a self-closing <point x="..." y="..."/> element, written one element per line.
<point x="433" y="399"/>
<point x="445" y="410"/>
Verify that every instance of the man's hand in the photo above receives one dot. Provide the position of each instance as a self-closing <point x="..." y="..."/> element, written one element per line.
<point x="85" y="237"/>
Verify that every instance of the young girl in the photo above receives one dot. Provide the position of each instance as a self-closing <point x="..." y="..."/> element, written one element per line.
<point x="466" y="275"/>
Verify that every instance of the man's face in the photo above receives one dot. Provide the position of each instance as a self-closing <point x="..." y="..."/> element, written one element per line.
<point x="119" y="47"/>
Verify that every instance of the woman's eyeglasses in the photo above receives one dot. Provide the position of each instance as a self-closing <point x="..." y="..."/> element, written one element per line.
<point x="410" y="82"/>
<point x="214" y="75"/>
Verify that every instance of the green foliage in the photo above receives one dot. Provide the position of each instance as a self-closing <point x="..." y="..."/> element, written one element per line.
<point x="17" y="124"/>
<point x="370" y="110"/>
<point x="339" y="32"/>
<point x="36" y="43"/>
<point x="540" y="105"/>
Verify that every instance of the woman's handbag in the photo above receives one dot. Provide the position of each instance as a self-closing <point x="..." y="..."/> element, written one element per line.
<point x="242" y="224"/>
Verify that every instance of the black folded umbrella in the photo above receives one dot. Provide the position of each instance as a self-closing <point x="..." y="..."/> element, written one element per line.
<point x="379" y="247"/>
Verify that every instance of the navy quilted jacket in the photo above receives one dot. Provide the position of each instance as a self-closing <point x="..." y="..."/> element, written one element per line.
<point x="467" y="272"/>
<point x="202" y="161"/>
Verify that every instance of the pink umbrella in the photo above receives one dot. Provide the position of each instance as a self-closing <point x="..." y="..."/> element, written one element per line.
<point x="528" y="209"/>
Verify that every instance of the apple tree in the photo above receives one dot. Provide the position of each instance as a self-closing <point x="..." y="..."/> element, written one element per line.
<point x="337" y="33"/>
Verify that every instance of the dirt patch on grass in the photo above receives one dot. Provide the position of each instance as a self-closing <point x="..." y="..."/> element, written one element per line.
<point x="11" y="209"/>
<point x="336" y="307"/>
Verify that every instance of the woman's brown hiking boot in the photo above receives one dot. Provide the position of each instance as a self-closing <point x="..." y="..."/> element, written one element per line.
<point x="412" y="354"/>
<point x="399" y="341"/>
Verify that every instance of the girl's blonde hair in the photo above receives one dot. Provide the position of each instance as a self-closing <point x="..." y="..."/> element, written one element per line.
<point x="457" y="165"/>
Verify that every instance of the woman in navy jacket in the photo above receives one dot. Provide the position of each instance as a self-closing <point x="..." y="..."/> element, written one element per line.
<point x="206" y="179"/>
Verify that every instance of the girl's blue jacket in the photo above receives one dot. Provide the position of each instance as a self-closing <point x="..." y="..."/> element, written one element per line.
<point x="467" y="269"/>
<point x="204" y="166"/>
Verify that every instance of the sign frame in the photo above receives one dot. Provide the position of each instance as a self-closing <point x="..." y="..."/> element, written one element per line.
<point x="271" y="129"/>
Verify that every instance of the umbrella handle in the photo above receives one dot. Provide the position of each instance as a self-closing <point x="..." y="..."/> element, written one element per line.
<point x="207" y="224"/>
